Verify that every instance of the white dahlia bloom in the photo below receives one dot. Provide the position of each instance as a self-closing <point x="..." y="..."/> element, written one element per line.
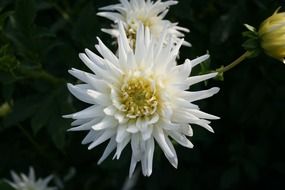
<point x="151" y="14"/>
<point x="139" y="97"/>
<point x="23" y="182"/>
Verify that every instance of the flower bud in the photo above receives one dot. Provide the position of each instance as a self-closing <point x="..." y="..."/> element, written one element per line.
<point x="272" y="35"/>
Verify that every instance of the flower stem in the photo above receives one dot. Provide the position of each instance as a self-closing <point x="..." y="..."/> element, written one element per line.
<point x="234" y="63"/>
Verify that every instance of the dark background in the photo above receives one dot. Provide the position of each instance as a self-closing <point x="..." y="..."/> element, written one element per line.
<point x="40" y="41"/>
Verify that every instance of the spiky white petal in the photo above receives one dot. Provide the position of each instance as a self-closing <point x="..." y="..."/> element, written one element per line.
<point x="151" y="14"/>
<point x="24" y="182"/>
<point x="139" y="96"/>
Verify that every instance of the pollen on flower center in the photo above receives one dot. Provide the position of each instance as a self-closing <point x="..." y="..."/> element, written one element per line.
<point x="139" y="97"/>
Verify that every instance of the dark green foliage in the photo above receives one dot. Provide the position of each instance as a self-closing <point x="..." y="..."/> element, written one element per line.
<point x="5" y="186"/>
<point x="40" y="40"/>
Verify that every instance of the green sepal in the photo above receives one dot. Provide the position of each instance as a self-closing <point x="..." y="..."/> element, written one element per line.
<point x="220" y="75"/>
<point x="252" y="42"/>
<point x="205" y="69"/>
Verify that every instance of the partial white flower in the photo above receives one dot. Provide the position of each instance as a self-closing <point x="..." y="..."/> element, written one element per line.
<point x="151" y="14"/>
<point x="23" y="182"/>
<point x="139" y="97"/>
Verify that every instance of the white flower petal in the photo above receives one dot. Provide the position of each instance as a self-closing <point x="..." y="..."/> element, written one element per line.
<point x="95" y="58"/>
<point x="187" y="130"/>
<point x="149" y="155"/>
<point x="106" y="53"/>
<point x="121" y="145"/>
<point x="172" y="159"/>
<point x="132" y="166"/>
<point x="110" y="110"/>
<point x="47" y="180"/>
<point x="81" y="75"/>
<point x="113" y="16"/>
<point x="194" y="96"/>
<point x="202" y="115"/>
<point x="92" y="80"/>
<point x="97" y="69"/>
<point x="15" y="177"/>
<point x="91" y="136"/>
<point x="147" y="133"/>
<point x="200" y="78"/>
<point x="184" y="70"/>
<point x="110" y="147"/>
<point x="135" y="143"/>
<point x="121" y="133"/>
<point x="106" y="123"/>
<point x="199" y="60"/>
<point x="181" y="139"/>
<point x="99" y="97"/>
<point x="90" y="112"/>
<point x="29" y="181"/>
<point x="161" y="139"/>
<point x="81" y="94"/>
<point x="132" y="128"/>
<point x="203" y="123"/>
<point x="80" y="121"/>
<point x="102" y="138"/>
<point x="123" y="38"/>
<point x="87" y="125"/>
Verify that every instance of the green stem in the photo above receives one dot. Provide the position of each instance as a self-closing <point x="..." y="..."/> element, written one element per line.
<point x="234" y="63"/>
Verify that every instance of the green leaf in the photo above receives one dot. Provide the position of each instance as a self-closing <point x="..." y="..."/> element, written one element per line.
<point x="6" y="78"/>
<point x="25" y="13"/>
<point x="3" y="17"/>
<point x="4" y="4"/>
<point x="21" y="110"/>
<point x="42" y="116"/>
<point x="7" y="91"/>
<point x="5" y="186"/>
<point x="8" y="63"/>
<point x="85" y="26"/>
<point x="57" y="130"/>
<point x="57" y="126"/>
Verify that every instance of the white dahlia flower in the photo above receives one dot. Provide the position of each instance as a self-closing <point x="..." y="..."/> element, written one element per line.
<point x="151" y="14"/>
<point x="139" y="97"/>
<point x="23" y="182"/>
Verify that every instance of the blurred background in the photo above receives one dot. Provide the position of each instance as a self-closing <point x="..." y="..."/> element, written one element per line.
<point x="40" y="40"/>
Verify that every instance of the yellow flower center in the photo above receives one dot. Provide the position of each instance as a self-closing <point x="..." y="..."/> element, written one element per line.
<point x="139" y="97"/>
